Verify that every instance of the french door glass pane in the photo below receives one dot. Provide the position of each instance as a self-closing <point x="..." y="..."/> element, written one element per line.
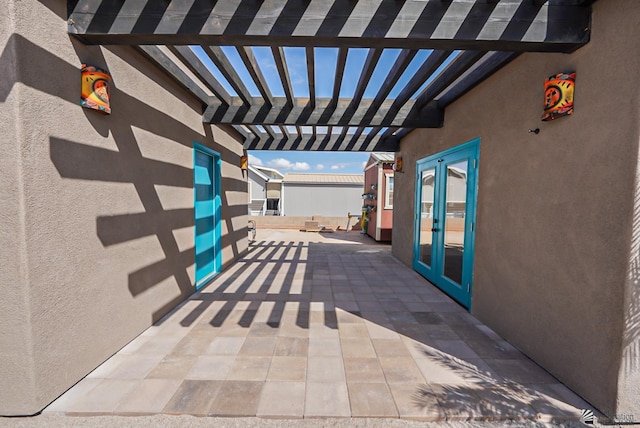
<point x="456" y="207"/>
<point x="426" y="215"/>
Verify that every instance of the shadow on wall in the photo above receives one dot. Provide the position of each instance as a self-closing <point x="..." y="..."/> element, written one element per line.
<point x="631" y="338"/>
<point x="79" y="161"/>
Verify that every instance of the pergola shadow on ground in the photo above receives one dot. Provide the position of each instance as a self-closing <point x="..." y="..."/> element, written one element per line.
<point x="322" y="325"/>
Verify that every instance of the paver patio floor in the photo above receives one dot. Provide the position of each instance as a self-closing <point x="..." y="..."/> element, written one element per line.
<point x="321" y="325"/>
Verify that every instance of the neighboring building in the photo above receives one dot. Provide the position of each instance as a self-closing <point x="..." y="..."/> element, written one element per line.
<point x="329" y="195"/>
<point x="378" y="195"/>
<point x="265" y="190"/>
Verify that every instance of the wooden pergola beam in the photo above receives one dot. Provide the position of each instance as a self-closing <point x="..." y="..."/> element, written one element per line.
<point x="553" y="26"/>
<point x="322" y="142"/>
<point x="325" y="113"/>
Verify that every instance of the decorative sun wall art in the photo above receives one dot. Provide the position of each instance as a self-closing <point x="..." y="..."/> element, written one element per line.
<point x="95" y="89"/>
<point x="558" y="95"/>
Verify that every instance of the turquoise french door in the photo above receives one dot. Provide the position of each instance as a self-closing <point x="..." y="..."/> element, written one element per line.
<point x="206" y="183"/>
<point x="444" y="229"/>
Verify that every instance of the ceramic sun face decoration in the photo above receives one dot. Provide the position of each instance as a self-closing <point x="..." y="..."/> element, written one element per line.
<point x="558" y="95"/>
<point x="95" y="89"/>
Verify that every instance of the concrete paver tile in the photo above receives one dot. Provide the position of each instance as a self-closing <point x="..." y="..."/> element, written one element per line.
<point x="77" y="392"/>
<point x="173" y="367"/>
<point x="353" y="330"/>
<point x="258" y="346"/>
<point x="103" y="398"/>
<point x="327" y="400"/>
<point x="211" y="367"/>
<point x="135" y="367"/>
<point x="401" y="370"/>
<point x="357" y="347"/>
<point x="380" y="331"/>
<point x="321" y="331"/>
<point x="455" y="348"/>
<point x="320" y="347"/>
<point x="416" y="401"/>
<point x="325" y="369"/>
<point x="192" y="345"/>
<point x="488" y="348"/>
<point x="345" y="316"/>
<point x="262" y="329"/>
<point x="282" y="400"/>
<point x="249" y="368"/>
<point x="459" y="402"/>
<point x="149" y="396"/>
<point x="105" y="369"/>
<point x="366" y="370"/>
<point x="134" y="345"/>
<point x="441" y="373"/>
<point x="521" y="370"/>
<point x="291" y="369"/>
<point x="390" y="348"/>
<point x="442" y="332"/>
<point x="237" y="398"/>
<point x="494" y="401"/>
<point x="193" y="397"/>
<point x="225" y="346"/>
<point x="428" y="318"/>
<point x="291" y="347"/>
<point x="371" y="400"/>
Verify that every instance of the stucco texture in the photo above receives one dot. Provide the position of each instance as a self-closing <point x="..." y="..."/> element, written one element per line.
<point x="555" y="214"/>
<point x="98" y="208"/>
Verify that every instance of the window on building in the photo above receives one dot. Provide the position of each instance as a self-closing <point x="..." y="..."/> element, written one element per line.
<point x="388" y="197"/>
<point x="273" y="204"/>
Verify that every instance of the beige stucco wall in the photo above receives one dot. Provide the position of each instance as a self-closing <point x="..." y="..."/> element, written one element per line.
<point x="97" y="210"/>
<point x="16" y="367"/>
<point x="554" y="220"/>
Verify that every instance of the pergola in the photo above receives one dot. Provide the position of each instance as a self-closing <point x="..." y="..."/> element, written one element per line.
<point x="460" y="42"/>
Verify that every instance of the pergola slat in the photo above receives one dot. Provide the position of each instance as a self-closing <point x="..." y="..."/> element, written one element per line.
<point x="401" y="63"/>
<point x="311" y="75"/>
<point x="175" y="72"/>
<point x="454" y="70"/>
<point x="340" y="65"/>
<point x="221" y="61"/>
<point x="490" y="66"/>
<point x="249" y="60"/>
<point x="191" y="60"/>
<point x="283" y="71"/>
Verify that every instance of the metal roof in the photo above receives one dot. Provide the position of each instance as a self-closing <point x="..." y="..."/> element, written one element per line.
<point x="427" y="54"/>
<point x="383" y="157"/>
<point x="300" y="178"/>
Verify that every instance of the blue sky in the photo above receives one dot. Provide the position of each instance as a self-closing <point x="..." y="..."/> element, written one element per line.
<point x="325" y="71"/>
<point x="310" y="162"/>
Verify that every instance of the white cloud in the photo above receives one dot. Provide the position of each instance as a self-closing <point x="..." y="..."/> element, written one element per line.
<point x="280" y="163"/>
<point x="319" y="167"/>
<point x="255" y="161"/>
<point x="301" y="166"/>
<point x="284" y="164"/>
<point x="336" y="166"/>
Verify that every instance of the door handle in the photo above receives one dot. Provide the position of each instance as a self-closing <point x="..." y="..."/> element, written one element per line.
<point x="433" y="229"/>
